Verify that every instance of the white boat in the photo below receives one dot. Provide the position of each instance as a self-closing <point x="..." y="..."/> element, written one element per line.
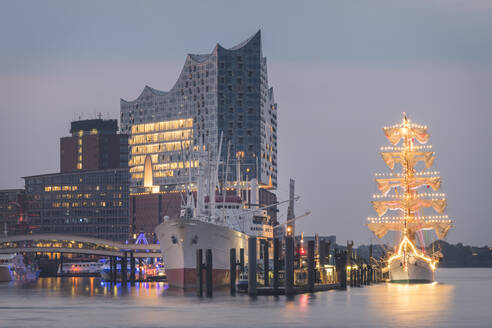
<point x="416" y="271"/>
<point x="6" y="267"/>
<point x="219" y="223"/>
<point x="12" y="267"/>
<point x="80" y="268"/>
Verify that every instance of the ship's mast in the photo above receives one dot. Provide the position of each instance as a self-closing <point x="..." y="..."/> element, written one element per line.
<point x="409" y="202"/>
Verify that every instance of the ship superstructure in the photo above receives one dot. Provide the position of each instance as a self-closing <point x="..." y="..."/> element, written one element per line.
<point x="218" y="219"/>
<point x="411" y="191"/>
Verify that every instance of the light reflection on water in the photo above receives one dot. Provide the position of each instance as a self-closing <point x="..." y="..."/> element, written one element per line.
<point x="422" y="304"/>
<point x="460" y="299"/>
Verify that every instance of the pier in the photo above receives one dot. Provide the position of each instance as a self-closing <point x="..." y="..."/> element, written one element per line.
<point x="326" y="269"/>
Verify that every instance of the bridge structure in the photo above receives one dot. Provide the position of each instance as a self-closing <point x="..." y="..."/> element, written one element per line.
<point x="62" y="243"/>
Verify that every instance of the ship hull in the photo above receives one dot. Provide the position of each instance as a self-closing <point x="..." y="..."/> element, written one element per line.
<point x="416" y="271"/>
<point x="179" y="240"/>
<point x="5" y="273"/>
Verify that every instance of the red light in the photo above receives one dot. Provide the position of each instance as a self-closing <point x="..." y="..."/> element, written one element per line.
<point x="302" y="251"/>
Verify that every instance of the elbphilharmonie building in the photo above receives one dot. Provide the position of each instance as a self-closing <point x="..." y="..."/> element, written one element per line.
<point x="226" y="93"/>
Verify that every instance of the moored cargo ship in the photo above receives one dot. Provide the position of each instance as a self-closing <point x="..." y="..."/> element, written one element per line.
<point x="217" y="222"/>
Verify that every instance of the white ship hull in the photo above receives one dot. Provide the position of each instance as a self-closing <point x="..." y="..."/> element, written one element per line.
<point x="179" y="240"/>
<point x="417" y="270"/>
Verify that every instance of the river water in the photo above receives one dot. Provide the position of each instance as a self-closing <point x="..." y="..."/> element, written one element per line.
<point x="461" y="298"/>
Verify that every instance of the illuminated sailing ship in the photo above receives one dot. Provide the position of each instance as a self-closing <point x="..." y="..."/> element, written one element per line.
<point x="401" y="191"/>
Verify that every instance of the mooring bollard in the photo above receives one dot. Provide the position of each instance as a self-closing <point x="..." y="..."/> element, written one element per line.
<point x="276" y="262"/>
<point x="266" y="264"/>
<point x="132" y="268"/>
<point x="208" y="273"/>
<point x="311" y="268"/>
<point x="199" y="276"/>
<point x="233" y="264"/>
<point x="289" y="265"/>
<point x="252" y="266"/>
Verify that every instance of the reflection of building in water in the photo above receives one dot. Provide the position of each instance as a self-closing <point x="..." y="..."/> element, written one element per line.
<point x="410" y="305"/>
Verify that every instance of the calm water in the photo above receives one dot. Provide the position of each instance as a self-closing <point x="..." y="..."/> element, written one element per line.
<point x="462" y="298"/>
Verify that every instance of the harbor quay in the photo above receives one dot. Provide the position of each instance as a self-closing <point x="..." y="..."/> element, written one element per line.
<point x="268" y="267"/>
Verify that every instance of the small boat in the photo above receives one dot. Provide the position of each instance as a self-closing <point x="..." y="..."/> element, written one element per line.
<point x="242" y="282"/>
<point x="80" y="269"/>
<point x="12" y="267"/>
<point x="6" y="267"/>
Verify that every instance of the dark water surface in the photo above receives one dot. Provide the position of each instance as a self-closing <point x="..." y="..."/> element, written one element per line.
<point x="462" y="298"/>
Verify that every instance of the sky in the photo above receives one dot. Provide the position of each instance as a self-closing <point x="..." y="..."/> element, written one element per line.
<point x="341" y="70"/>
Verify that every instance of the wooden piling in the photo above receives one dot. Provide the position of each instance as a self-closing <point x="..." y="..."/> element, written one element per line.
<point x="289" y="265"/>
<point x="114" y="277"/>
<point x="343" y="272"/>
<point x="241" y="259"/>
<point x="140" y="270"/>
<point x="276" y="262"/>
<point x="124" y="271"/>
<point x="233" y="264"/>
<point x="266" y="264"/>
<point x="61" y="264"/>
<point x="132" y="268"/>
<point x="199" y="276"/>
<point x="311" y="267"/>
<point x="208" y="272"/>
<point x="252" y="266"/>
<point x="352" y="277"/>
<point x="111" y="269"/>
<point x="322" y="253"/>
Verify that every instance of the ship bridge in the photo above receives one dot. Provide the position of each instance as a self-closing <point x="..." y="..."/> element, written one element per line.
<point x="62" y="243"/>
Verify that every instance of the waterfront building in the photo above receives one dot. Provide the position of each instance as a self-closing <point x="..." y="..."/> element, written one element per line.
<point x="88" y="202"/>
<point x="226" y="93"/>
<point x="90" y="196"/>
<point x="10" y="210"/>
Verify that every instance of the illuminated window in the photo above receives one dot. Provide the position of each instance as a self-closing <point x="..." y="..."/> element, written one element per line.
<point x="79" y="166"/>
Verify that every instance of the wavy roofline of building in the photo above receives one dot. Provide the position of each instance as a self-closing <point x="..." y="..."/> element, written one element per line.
<point x="198" y="58"/>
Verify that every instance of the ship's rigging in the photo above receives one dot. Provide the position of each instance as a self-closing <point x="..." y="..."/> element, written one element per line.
<point x="402" y="191"/>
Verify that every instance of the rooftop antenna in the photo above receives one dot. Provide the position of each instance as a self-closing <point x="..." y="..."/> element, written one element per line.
<point x="99" y="115"/>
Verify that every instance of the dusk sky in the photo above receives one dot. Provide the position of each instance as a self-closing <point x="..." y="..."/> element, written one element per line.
<point x="341" y="70"/>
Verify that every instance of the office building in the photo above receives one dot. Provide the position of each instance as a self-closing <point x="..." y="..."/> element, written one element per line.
<point x="91" y="193"/>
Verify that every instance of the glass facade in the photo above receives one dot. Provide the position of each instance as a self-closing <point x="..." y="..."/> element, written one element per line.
<point x="165" y="143"/>
<point x="225" y="92"/>
<point x="89" y="203"/>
